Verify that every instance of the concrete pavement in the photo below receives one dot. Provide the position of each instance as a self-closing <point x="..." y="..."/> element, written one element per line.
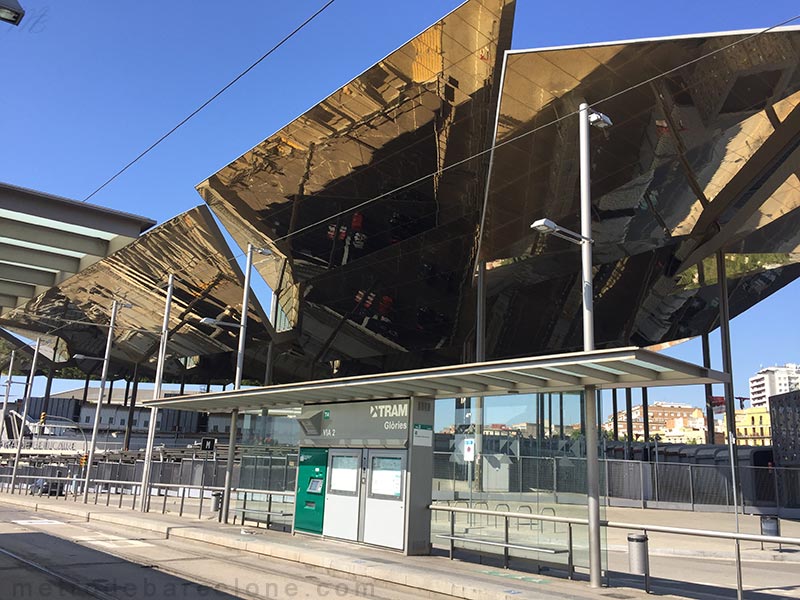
<point x="437" y="575"/>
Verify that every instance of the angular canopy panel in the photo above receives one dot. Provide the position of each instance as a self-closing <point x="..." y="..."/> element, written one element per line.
<point x="372" y="199"/>
<point x="45" y="239"/>
<point x="605" y="369"/>
<point x="208" y="283"/>
<point x="700" y="158"/>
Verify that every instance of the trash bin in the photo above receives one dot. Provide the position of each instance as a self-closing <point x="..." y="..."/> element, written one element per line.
<point x="771" y="526"/>
<point x="217" y="505"/>
<point x="638" y="561"/>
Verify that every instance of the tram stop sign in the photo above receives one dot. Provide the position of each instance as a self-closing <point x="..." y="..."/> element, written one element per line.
<point x="469" y="450"/>
<point x="207" y="444"/>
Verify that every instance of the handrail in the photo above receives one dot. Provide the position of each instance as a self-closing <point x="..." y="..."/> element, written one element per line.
<point x="724" y="535"/>
<point x="157" y="485"/>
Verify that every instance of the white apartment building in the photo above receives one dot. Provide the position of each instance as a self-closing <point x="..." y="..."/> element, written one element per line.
<point x="773" y="380"/>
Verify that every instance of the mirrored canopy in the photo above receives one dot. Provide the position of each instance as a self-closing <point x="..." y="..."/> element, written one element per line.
<point x="208" y="283"/>
<point x="702" y="157"/>
<point x="372" y="199"/>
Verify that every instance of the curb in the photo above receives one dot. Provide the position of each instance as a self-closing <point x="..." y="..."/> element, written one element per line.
<point x="410" y="576"/>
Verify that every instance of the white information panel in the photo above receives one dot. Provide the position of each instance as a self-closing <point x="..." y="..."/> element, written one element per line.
<point x="387" y="476"/>
<point x="469" y="450"/>
<point x="384" y="507"/>
<point x="344" y="473"/>
<point x="342" y="497"/>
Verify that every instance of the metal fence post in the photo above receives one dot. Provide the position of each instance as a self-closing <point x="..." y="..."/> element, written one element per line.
<point x="505" y="541"/>
<point x="641" y="482"/>
<point x="691" y="487"/>
<point x="555" y="479"/>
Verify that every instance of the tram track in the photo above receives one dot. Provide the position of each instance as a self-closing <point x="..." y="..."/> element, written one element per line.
<point x="257" y="565"/>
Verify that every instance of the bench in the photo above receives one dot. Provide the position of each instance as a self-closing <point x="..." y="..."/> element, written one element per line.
<point x="507" y="546"/>
<point x="259" y="515"/>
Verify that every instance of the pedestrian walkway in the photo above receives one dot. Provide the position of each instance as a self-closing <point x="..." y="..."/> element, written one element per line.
<point x="682" y="545"/>
<point x="426" y="574"/>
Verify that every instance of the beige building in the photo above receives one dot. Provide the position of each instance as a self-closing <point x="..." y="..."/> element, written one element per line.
<point x="753" y="426"/>
<point x="659" y="414"/>
<point x="685" y="430"/>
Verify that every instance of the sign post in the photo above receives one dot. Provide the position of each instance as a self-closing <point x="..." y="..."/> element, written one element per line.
<point x="469" y="458"/>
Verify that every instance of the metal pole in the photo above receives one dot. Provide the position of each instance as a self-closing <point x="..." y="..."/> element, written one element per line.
<point x="646" y="414"/>
<point x="151" y="430"/>
<point x="592" y="461"/>
<point x="131" y="409"/>
<point x="727" y="361"/>
<point x="96" y="425"/>
<point x="237" y="384"/>
<point x="731" y="443"/>
<point x="8" y="393"/>
<point x="480" y="356"/>
<point x="614" y="414"/>
<point x="28" y="388"/>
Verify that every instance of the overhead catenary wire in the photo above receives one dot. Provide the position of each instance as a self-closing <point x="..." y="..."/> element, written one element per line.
<point x="494" y="145"/>
<point x="417" y="181"/>
<point x="555" y="121"/>
<point x="191" y="115"/>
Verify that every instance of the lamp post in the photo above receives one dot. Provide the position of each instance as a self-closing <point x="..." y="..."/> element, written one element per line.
<point x="26" y="403"/>
<point x="96" y="426"/>
<point x="237" y="383"/>
<point x="9" y="383"/>
<point x="151" y="430"/>
<point x="11" y="12"/>
<point x="587" y="117"/>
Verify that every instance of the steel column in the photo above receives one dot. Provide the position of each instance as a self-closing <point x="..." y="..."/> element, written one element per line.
<point x="26" y="403"/>
<point x="98" y="409"/>
<point x="151" y="430"/>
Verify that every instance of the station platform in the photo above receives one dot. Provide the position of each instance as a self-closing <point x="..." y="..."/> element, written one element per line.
<point x="428" y="576"/>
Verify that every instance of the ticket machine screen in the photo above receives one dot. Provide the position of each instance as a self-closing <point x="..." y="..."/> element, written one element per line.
<point x="314" y="486"/>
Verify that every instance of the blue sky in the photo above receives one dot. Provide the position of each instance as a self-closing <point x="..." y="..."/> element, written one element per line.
<point x="88" y="85"/>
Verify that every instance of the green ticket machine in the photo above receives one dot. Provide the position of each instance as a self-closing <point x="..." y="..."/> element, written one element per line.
<point x="312" y="470"/>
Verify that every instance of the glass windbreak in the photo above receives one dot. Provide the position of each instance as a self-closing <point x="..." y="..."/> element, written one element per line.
<point x="344" y="475"/>
<point x="530" y="458"/>
<point x="386" y="479"/>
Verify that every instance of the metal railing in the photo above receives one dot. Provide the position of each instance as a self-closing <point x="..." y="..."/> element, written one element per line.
<point x="572" y="521"/>
<point x="128" y="493"/>
<point x="630" y="482"/>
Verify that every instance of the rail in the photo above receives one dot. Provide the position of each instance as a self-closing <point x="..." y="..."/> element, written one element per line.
<point x="71" y="487"/>
<point x="736" y="537"/>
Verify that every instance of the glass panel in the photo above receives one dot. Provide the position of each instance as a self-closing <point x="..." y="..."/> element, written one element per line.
<point x="344" y="475"/>
<point x="387" y="477"/>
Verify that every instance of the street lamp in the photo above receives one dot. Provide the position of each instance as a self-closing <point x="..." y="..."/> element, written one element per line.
<point x="25" y="405"/>
<point x="587" y="117"/>
<point x="9" y="383"/>
<point x="96" y="426"/>
<point x="11" y="11"/>
<point x="151" y="430"/>
<point x="237" y="384"/>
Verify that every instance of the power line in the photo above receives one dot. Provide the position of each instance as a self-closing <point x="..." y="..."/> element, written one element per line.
<point x="493" y="146"/>
<point x="479" y="154"/>
<point x="210" y="100"/>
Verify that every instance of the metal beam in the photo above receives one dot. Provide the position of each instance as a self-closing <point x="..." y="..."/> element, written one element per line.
<point x="556" y="376"/>
<point x="55" y="208"/>
<point x="8" y="301"/>
<point x="649" y="374"/>
<point x="54" y="238"/>
<point x="12" y="288"/>
<point x="39" y="258"/>
<point x="594" y="373"/>
<point x="26" y="275"/>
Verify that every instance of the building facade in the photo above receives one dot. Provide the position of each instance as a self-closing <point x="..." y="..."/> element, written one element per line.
<point x="772" y="381"/>
<point x="659" y="414"/>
